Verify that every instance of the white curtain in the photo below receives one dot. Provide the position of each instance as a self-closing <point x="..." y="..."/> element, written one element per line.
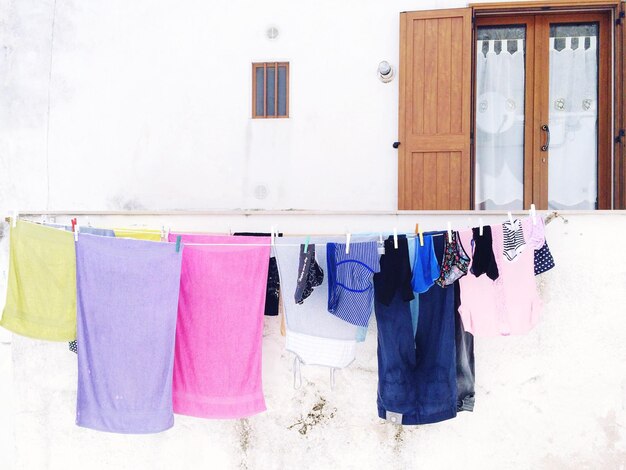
<point x="572" y="164"/>
<point x="500" y="125"/>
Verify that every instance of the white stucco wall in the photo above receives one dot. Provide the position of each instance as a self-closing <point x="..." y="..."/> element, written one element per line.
<point x="145" y="105"/>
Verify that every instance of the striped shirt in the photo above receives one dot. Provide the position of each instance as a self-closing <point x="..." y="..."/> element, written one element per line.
<point x="350" y="280"/>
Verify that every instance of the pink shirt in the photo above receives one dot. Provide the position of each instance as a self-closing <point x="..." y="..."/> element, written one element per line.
<point x="509" y="305"/>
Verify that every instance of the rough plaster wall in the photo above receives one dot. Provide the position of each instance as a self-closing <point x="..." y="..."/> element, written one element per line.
<point x="555" y="398"/>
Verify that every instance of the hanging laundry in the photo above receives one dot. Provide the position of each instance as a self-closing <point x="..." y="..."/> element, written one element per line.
<point x="397" y="377"/>
<point x="350" y="286"/>
<point x="397" y="363"/>
<point x="395" y="272"/>
<point x="414" y="304"/>
<point x="217" y="368"/>
<point x="425" y="265"/>
<point x="483" y="258"/>
<point x="543" y="260"/>
<point x="511" y="304"/>
<point x="454" y="263"/>
<point x="102" y="232"/>
<point x="465" y="371"/>
<point x="310" y="274"/>
<point x="313" y="335"/>
<point x="273" y="278"/>
<point x="514" y="242"/>
<point x="417" y="377"/>
<point x="127" y="306"/>
<point x="41" y="290"/>
<point x="138" y="234"/>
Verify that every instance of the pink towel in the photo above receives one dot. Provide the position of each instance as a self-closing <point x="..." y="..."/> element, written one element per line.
<point x="217" y="365"/>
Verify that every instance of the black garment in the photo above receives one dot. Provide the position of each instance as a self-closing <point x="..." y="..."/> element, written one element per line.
<point x="395" y="272"/>
<point x="483" y="259"/>
<point x="310" y="274"/>
<point x="543" y="259"/>
<point x="272" y="294"/>
<point x="465" y="375"/>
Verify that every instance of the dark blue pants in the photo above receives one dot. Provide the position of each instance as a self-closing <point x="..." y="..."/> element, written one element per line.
<point x="417" y="376"/>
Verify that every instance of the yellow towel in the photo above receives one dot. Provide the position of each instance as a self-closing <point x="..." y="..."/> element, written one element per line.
<point x="41" y="292"/>
<point x="138" y="234"/>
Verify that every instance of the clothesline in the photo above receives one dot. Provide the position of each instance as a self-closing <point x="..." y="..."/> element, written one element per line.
<point x="409" y="235"/>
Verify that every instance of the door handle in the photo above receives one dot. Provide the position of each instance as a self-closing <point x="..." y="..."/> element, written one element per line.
<point x="546" y="146"/>
<point x="396" y="145"/>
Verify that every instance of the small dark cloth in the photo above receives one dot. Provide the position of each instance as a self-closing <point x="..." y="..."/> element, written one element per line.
<point x="483" y="259"/>
<point x="543" y="259"/>
<point x="395" y="273"/>
<point x="310" y="274"/>
<point x="465" y="372"/>
<point x="73" y="346"/>
<point x="272" y="294"/>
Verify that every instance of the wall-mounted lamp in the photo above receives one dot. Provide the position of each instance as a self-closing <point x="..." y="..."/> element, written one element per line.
<point x="385" y="71"/>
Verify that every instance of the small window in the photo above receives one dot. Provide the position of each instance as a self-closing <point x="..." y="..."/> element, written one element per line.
<point x="270" y="90"/>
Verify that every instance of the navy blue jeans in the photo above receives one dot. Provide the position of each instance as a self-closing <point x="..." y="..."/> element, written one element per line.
<point x="417" y="376"/>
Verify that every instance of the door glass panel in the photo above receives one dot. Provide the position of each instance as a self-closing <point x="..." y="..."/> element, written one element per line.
<point x="573" y="117"/>
<point x="500" y="74"/>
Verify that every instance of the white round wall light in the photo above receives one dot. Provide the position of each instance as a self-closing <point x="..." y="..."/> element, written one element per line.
<point x="385" y="71"/>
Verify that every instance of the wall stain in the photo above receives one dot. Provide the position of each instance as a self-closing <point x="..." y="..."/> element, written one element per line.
<point x="244" y="430"/>
<point x="319" y="413"/>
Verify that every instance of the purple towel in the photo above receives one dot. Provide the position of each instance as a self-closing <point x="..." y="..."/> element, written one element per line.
<point x="127" y="296"/>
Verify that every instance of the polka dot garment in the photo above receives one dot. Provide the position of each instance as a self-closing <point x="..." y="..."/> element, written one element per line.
<point x="73" y="346"/>
<point x="543" y="259"/>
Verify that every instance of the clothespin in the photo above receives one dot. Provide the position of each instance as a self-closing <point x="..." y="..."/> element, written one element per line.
<point x="16" y="214"/>
<point x="480" y="227"/>
<point x="76" y="230"/>
<point x="533" y="214"/>
<point x="272" y="235"/>
<point x="510" y="217"/>
<point x="417" y="229"/>
<point x="449" y="232"/>
<point x="73" y="221"/>
<point x="306" y="244"/>
<point x="381" y="244"/>
<point x="421" y="234"/>
<point x="178" y="239"/>
<point x="395" y="238"/>
<point x="163" y="233"/>
<point x="348" y="236"/>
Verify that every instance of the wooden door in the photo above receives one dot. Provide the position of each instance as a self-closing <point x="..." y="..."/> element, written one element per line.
<point x="620" y="110"/>
<point x="435" y="110"/>
<point x="539" y="105"/>
<point x="543" y="103"/>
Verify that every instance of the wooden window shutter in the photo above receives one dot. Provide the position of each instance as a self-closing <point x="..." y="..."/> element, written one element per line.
<point x="619" y="201"/>
<point x="435" y="110"/>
